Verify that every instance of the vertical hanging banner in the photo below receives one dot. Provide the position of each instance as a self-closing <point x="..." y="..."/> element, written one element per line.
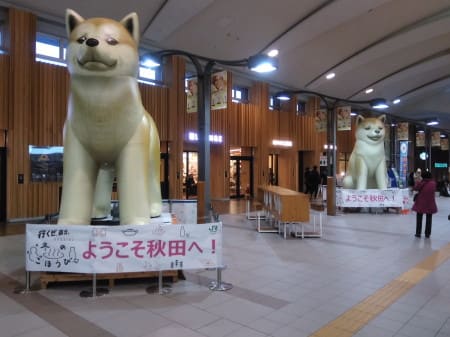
<point x="435" y="138"/>
<point x="344" y="120"/>
<point x="320" y="120"/>
<point x="444" y="144"/>
<point x="420" y="139"/>
<point x="403" y="165"/>
<point x="403" y="131"/>
<point x="191" y="95"/>
<point x="219" y="90"/>
<point x="125" y="248"/>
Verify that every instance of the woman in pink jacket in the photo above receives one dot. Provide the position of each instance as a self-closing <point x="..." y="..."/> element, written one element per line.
<point x="425" y="203"/>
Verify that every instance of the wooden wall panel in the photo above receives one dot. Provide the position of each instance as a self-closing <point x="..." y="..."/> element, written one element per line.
<point x="4" y="92"/>
<point x="155" y="101"/>
<point x="33" y="99"/>
<point x="175" y="123"/>
<point x="22" y="30"/>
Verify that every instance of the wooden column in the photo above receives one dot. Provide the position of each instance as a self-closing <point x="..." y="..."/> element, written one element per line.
<point x="22" y="37"/>
<point x="174" y="78"/>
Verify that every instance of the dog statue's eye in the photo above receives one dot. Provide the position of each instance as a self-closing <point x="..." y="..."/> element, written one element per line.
<point x="367" y="128"/>
<point x="81" y="39"/>
<point x="111" y="41"/>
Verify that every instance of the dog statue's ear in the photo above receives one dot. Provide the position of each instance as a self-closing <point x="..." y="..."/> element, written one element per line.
<point x="131" y="24"/>
<point x="382" y="118"/>
<point x="73" y="19"/>
<point x="359" y="119"/>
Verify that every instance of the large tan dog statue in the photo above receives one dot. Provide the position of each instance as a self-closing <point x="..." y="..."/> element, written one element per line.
<point x="367" y="164"/>
<point x="107" y="131"/>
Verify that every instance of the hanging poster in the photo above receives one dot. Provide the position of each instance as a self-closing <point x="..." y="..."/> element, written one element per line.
<point x="435" y="138"/>
<point x="344" y="120"/>
<point x="402" y="131"/>
<point x="191" y="94"/>
<point x="219" y="90"/>
<point x="444" y="144"/>
<point x="321" y="120"/>
<point x="420" y="139"/>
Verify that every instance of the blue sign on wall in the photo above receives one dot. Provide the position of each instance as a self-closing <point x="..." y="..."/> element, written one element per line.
<point x="403" y="165"/>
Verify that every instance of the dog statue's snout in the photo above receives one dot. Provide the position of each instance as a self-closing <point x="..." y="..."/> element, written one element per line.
<point x="92" y="42"/>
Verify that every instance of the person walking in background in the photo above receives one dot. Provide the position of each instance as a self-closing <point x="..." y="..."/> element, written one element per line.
<point x="425" y="203"/>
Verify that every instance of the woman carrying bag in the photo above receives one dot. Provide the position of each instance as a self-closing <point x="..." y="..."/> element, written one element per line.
<point x="425" y="203"/>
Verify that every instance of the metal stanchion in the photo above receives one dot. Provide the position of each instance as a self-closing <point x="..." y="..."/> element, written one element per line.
<point x="218" y="285"/>
<point x="27" y="289"/>
<point x="159" y="287"/>
<point x="95" y="292"/>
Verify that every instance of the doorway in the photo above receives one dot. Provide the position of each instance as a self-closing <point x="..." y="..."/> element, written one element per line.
<point x="273" y="169"/>
<point x="164" y="175"/>
<point x="241" y="176"/>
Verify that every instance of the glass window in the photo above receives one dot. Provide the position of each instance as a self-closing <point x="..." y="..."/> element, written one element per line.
<point x="50" y="49"/>
<point x="239" y="94"/>
<point x="301" y="108"/>
<point x="147" y="75"/>
<point x="272" y="102"/>
<point x="2" y="40"/>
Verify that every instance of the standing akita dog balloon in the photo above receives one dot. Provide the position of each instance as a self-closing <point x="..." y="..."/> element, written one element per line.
<point x="367" y="164"/>
<point x="107" y="130"/>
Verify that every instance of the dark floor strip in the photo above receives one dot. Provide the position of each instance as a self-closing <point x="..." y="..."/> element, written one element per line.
<point x="55" y="315"/>
<point x="236" y="291"/>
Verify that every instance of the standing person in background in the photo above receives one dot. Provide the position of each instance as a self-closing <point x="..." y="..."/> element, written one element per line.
<point x="306" y="180"/>
<point x="425" y="203"/>
<point x="314" y="178"/>
<point x="417" y="176"/>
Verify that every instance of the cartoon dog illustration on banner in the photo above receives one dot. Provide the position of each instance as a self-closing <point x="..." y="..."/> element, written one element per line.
<point x="107" y="132"/>
<point x="367" y="164"/>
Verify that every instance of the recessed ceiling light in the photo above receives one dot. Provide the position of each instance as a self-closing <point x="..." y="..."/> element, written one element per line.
<point x="329" y="76"/>
<point x="368" y="91"/>
<point x="273" y="53"/>
<point x="396" y="101"/>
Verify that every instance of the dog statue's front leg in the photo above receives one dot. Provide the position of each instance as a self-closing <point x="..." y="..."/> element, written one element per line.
<point x="80" y="174"/>
<point x="361" y="174"/>
<point x="380" y="176"/>
<point x="133" y="180"/>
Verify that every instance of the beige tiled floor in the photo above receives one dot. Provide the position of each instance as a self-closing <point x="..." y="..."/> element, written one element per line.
<point x="368" y="276"/>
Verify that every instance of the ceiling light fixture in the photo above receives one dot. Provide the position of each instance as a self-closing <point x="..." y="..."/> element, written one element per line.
<point x="396" y="101"/>
<point x="273" y="53"/>
<point x="369" y="91"/>
<point x="330" y="76"/>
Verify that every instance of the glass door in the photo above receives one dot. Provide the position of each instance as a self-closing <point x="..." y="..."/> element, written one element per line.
<point x="190" y="173"/>
<point x="241" y="176"/>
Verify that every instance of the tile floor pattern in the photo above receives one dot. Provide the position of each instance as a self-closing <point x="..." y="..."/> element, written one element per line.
<point x="367" y="277"/>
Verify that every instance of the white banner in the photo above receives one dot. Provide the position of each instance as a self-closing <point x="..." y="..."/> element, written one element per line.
<point x="393" y="197"/>
<point x="118" y="249"/>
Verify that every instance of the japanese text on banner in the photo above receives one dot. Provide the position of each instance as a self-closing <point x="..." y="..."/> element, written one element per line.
<point x="114" y="249"/>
